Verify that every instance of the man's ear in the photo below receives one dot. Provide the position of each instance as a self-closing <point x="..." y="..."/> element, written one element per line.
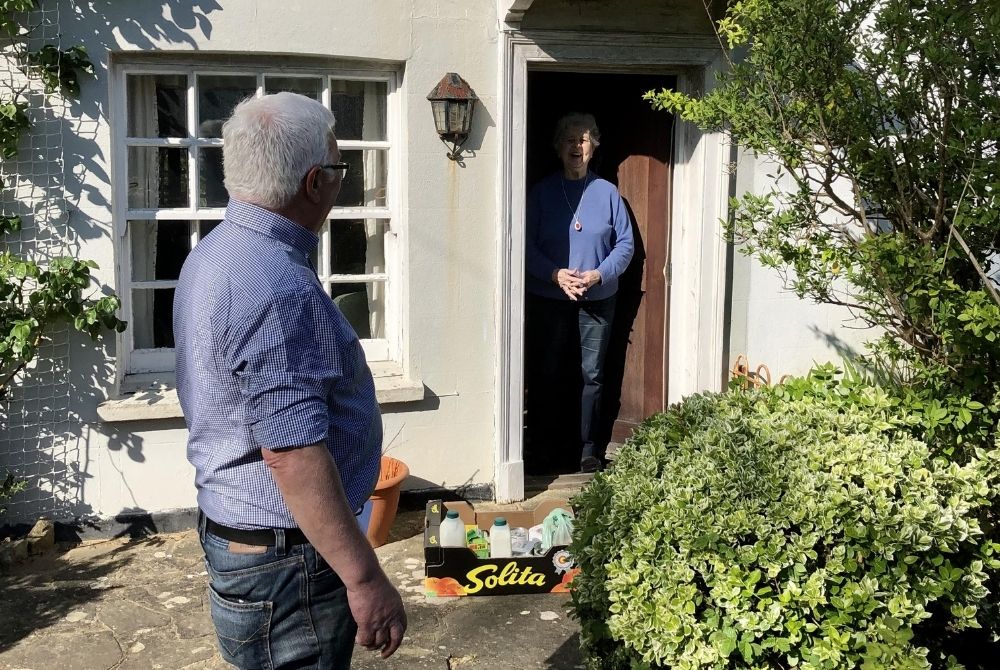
<point x="312" y="183"/>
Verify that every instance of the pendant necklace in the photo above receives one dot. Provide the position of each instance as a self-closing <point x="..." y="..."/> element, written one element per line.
<point x="577" y="226"/>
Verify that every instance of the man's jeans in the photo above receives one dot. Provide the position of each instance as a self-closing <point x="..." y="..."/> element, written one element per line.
<point x="282" y="608"/>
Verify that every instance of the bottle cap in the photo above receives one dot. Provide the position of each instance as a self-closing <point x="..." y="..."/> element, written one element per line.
<point x="499" y="521"/>
<point x="452" y="514"/>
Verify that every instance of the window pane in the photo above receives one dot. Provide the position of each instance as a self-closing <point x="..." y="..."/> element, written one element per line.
<point x="217" y="96"/>
<point x="152" y="323"/>
<point x="359" y="107"/>
<point x="357" y="247"/>
<point x="157" y="177"/>
<point x="211" y="191"/>
<point x="364" y="306"/>
<point x="364" y="185"/>
<point x="157" y="105"/>
<point x="158" y="248"/>
<point x="311" y="87"/>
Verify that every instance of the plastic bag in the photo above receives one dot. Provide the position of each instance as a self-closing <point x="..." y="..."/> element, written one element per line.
<point x="557" y="529"/>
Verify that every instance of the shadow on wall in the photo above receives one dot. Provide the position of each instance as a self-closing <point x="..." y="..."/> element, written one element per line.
<point x="177" y="20"/>
<point x="48" y="421"/>
<point x="834" y="341"/>
<point x="482" y="121"/>
<point x="102" y="22"/>
<point x="50" y="443"/>
<point x="418" y="488"/>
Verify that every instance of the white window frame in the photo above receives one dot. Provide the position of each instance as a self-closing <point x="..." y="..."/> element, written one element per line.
<point x="145" y="368"/>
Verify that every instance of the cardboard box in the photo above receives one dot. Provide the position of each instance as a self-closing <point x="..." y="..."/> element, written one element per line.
<point x="457" y="571"/>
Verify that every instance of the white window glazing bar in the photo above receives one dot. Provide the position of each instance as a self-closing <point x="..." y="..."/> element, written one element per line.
<point x="178" y="214"/>
<point x="119" y="185"/>
<point x="380" y="277"/>
<point x="369" y="145"/>
<point x="359" y="213"/>
<point x="172" y="142"/>
<point x="323" y="253"/>
<point x="192" y="127"/>
<point x="216" y="213"/>
<point x="155" y="283"/>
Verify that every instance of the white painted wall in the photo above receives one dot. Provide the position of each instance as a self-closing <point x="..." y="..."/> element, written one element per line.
<point x="678" y="17"/>
<point x="771" y="325"/>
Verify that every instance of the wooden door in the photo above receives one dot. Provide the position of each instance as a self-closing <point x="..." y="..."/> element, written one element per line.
<point x="638" y="347"/>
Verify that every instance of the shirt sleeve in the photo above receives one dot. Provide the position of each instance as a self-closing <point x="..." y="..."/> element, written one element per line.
<point x="287" y="356"/>
<point x="536" y="263"/>
<point x="617" y="261"/>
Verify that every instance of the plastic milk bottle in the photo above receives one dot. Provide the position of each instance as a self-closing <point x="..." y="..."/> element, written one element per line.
<point x="500" y="539"/>
<point x="452" y="530"/>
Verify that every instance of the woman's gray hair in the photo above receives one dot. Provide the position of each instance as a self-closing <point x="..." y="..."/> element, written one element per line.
<point x="270" y="143"/>
<point x="576" y="121"/>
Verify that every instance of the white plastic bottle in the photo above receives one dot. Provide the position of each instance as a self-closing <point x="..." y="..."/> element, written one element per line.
<point x="500" y="539"/>
<point x="452" y="530"/>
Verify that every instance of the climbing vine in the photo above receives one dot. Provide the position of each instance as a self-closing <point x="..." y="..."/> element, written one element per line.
<point x="36" y="298"/>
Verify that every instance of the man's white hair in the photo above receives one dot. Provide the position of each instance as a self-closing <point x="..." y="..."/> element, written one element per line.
<point x="270" y="143"/>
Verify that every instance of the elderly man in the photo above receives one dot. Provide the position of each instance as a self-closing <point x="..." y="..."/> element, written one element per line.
<point x="285" y="433"/>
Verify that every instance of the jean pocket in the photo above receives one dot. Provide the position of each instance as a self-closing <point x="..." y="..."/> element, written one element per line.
<point x="319" y="569"/>
<point x="243" y="630"/>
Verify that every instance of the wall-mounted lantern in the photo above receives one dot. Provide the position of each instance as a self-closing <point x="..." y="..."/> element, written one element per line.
<point x="452" y="102"/>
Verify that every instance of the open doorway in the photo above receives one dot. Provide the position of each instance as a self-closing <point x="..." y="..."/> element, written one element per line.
<point x="634" y="155"/>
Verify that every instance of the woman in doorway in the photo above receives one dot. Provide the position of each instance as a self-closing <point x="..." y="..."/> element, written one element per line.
<point x="579" y="241"/>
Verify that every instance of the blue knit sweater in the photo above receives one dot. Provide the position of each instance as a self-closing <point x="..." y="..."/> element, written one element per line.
<point x="604" y="241"/>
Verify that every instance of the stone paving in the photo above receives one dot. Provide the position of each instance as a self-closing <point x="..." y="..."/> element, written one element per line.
<point x="122" y="604"/>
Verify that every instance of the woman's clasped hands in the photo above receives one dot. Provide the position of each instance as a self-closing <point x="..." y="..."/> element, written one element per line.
<point x="575" y="283"/>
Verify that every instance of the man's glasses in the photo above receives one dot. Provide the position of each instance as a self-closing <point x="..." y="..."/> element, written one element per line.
<point x="341" y="167"/>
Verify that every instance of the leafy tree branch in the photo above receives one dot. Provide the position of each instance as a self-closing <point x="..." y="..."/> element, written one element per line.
<point x="882" y="119"/>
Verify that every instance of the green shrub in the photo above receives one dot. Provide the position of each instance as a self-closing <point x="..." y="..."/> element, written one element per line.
<point x="798" y="526"/>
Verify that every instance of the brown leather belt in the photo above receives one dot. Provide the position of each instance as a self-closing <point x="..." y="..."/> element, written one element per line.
<point x="261" y="537"/>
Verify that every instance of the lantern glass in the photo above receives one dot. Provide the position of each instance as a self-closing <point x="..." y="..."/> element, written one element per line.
<point x="460" y="117"/>
<point x="452" y="117"/>
<point x="440" y="110"/>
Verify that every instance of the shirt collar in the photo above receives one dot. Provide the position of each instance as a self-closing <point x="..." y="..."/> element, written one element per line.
<point x="272" y="225"/>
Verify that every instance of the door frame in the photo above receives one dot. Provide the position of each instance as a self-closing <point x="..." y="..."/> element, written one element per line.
<point x="697" y="250"/>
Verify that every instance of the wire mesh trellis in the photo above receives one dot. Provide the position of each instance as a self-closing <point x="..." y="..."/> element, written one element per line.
<point x="38" y="426"/>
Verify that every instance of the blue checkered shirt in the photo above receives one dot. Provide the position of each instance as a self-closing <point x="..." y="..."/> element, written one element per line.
<point x="265" y="360"/>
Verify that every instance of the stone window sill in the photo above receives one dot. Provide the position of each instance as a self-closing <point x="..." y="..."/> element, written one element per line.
<point x="151" y="400"/>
